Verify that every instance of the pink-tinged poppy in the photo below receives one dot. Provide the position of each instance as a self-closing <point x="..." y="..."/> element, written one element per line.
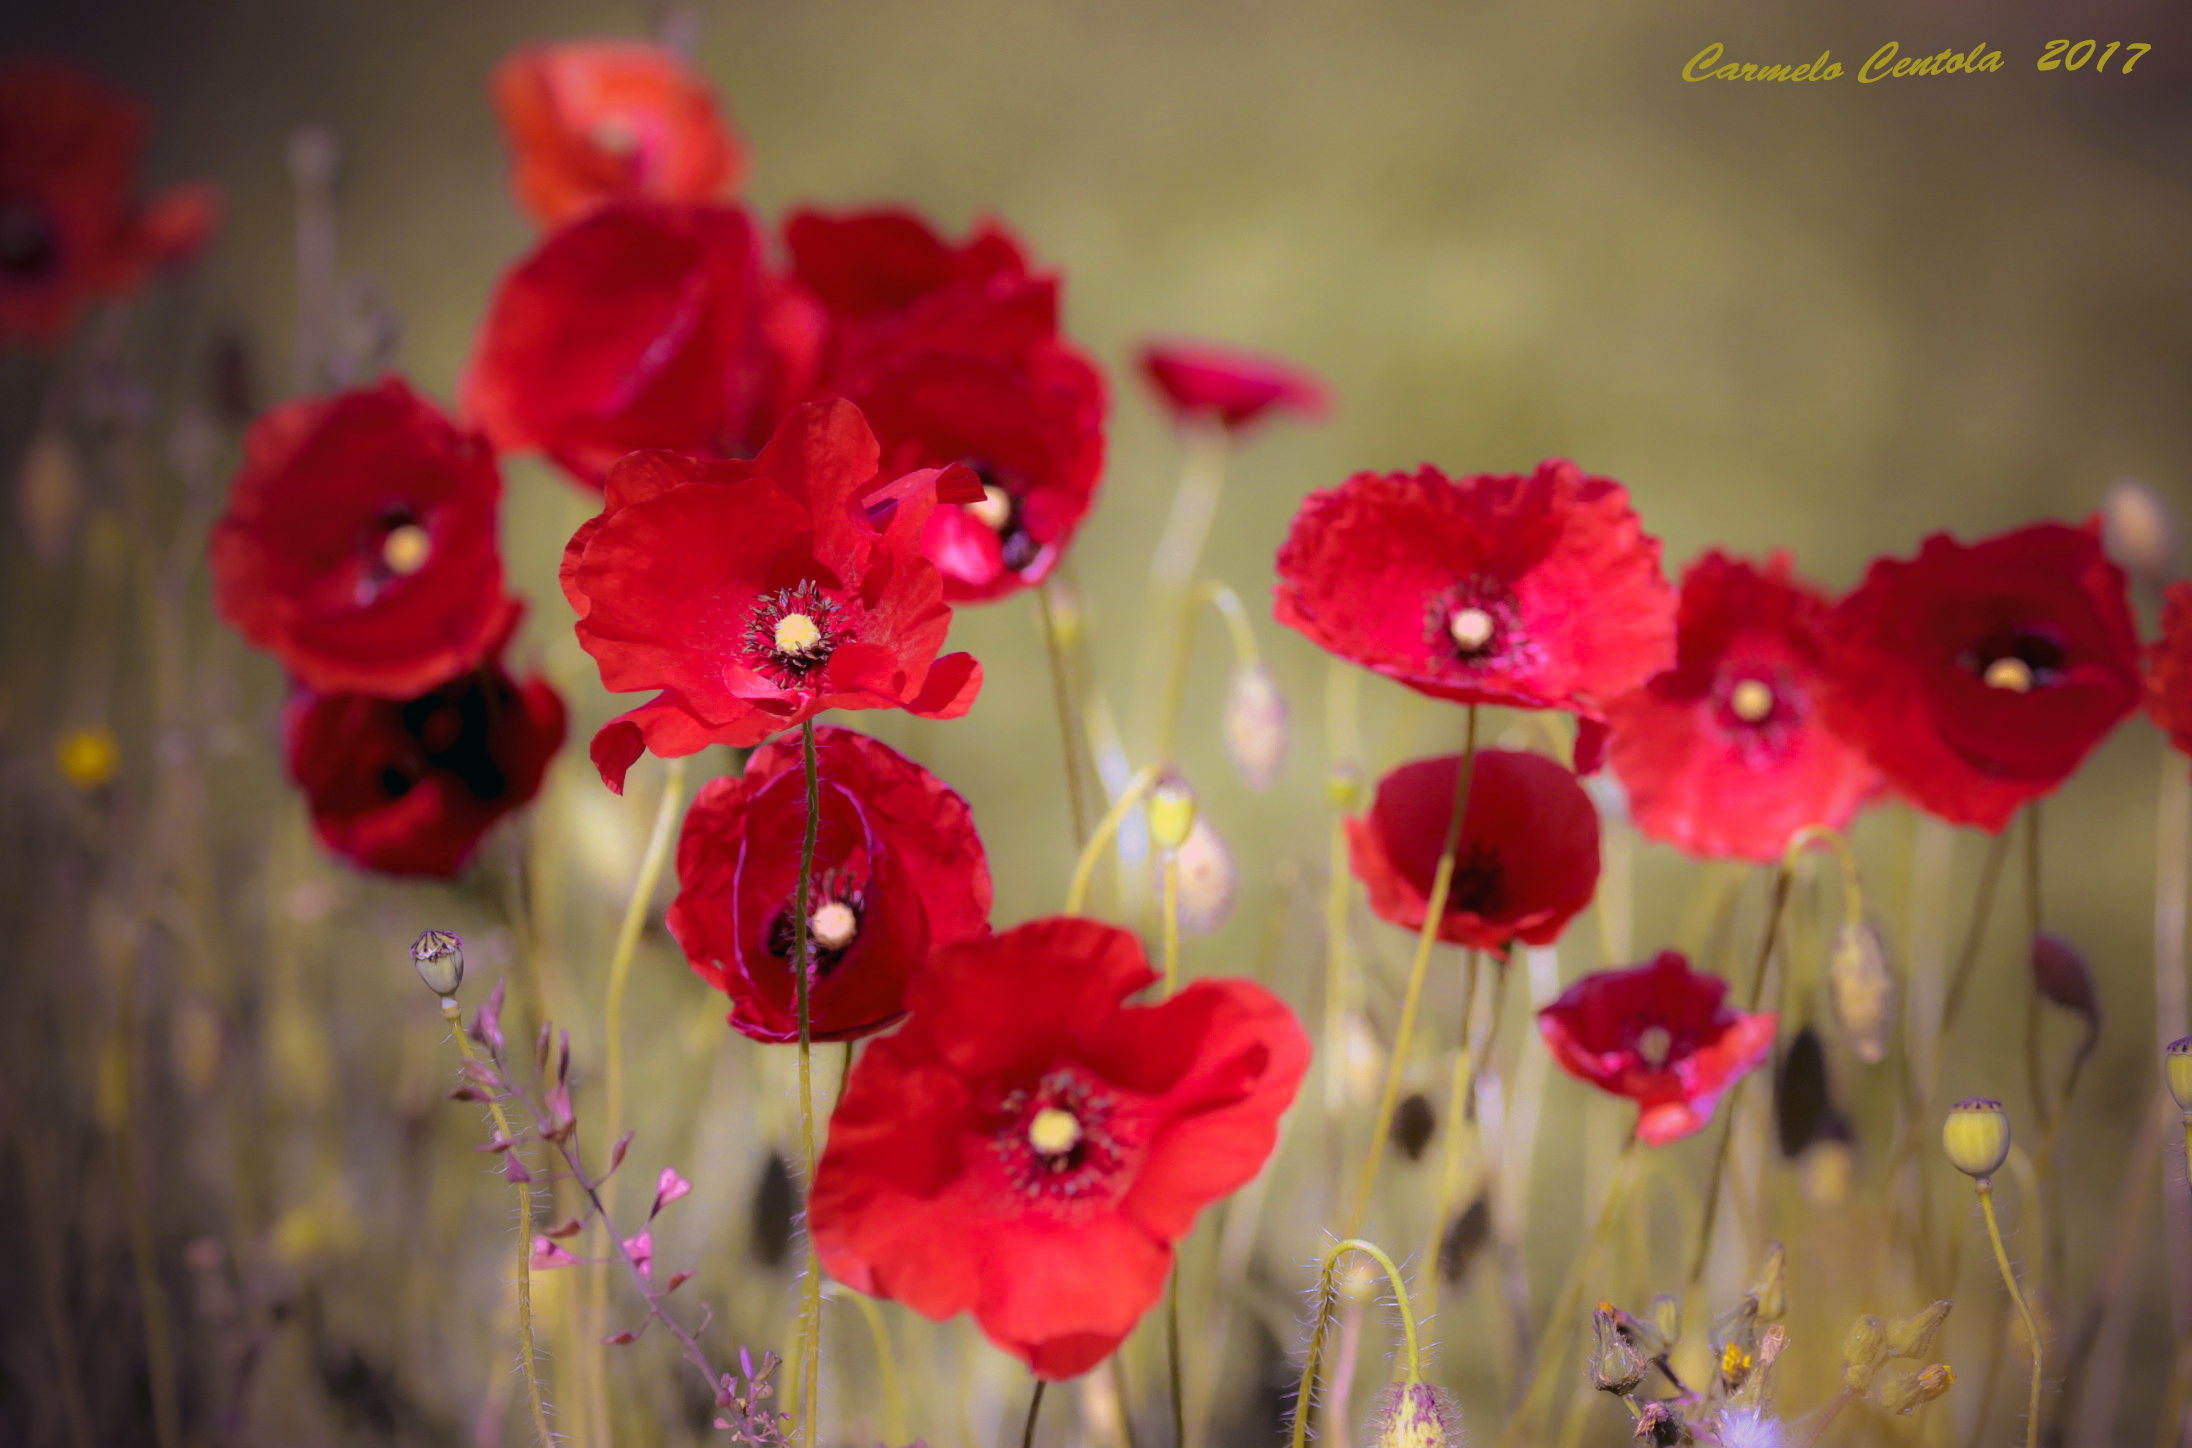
<point x="2168" y="668"/>
<point x="1977" y="676"/>
<point x="602" y="120"/>
<point x="636" y="325"/>
<point x="755" y="595"/>
<point x="71" y="228"/>
<point x="1030" y="1148"/>
<point x="410" y="786"/>
<point x="1535" y="591"/>
<point x="1725" y="755"/>
<point x="1201" y="383"/>
<point x="359" y="545"/>
<point x="1527" y="862"/>
<point x="898" y="873"/>
<point x="1661" y="1035"/>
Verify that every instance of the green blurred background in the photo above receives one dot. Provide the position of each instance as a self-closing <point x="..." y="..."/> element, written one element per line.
<point x="1828" y="317"/>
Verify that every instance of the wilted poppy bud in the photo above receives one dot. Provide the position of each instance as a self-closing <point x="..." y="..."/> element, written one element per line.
<point x="1415" y="1415"/>
<point x="2060" y="974"/>
<point x="2177" y="1066"/>
<point x="1616" y="1366"/>
<point x="1255" y="725"/>
<point x="1863" y="1351"/>
<point x="2138" y="532"/>
<point x="439" y="958"/>
<point x="1862" y="990"/>
<point x="1171" y="812"/>
<point x="1207" y="879"/>
<point x="1976" y="1136"/>
<point x="1912" y="1337"/>
<point x="1901" y="1394"/>
<point x="1660" y="1425"/>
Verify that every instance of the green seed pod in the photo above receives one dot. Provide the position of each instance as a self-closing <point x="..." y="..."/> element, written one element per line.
<point x="2177" y="1066"/>
<point x="1976" y="1136"/>
<point x="438" y="956"/>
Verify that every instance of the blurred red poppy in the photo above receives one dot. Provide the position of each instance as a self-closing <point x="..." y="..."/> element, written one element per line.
<point x="1536" y="592"/>
<point x="2168" y="663"/>
<point x="1977" y="676"/>
<point x="1030" y="1148"/>
<point x="359" y="545"/>
<point x="953" y="354"/>
<point x="898" y="873"/>
<point x="755" y="595"/>
<point x="637" y="325"/>
<point x="1201" y="383"/>
<point x="409" y="786"/>
<point x="1660" y="1034"/>
<point x="600" y="120"/>
<point x="1724" y="755"/>
<point x="1528" y="860"/>
<point x="71" y="230"/>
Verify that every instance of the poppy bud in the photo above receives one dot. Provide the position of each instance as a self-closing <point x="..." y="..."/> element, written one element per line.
<point x="2060" y="974"/>
<point x="1901" y="1394"/>
<point x="1207" y="879"/>
<point x="1912" y="1337"/>
<point x="1667" y="1317"/>
<point x="1171" y="812"/>
<point x="2138" y="532"/>
<point x="1616" y="1366"/>
<point x="1863" y="1351"/>
<point x="1862" y="990"/>
<point x="1413" y="1122"/>
<point x="1771" y="1292"/>
<point x="1465" y="1237"/>
<point x="1660" y="1425"/>
<point x="438" y="955"/>
<point x="1255" y="724"/>
<point x="1976" y="1136"/>
<point x="1415" y="1415"/>
<point x="2177" y="1066"/>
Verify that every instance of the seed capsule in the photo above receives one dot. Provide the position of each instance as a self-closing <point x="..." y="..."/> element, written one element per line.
<point x="438" y="955"/>
<point x="1976" y="1136"/>
<point x="1255" y="725"/>
<point x="2177" y="1067"/>
<point x="1415" y="1415"/>
<point x="1862" y="990"/>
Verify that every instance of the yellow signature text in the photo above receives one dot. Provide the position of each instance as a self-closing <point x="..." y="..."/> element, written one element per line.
<point x="1705" y="65"/>
<point x="1883" y="64"/>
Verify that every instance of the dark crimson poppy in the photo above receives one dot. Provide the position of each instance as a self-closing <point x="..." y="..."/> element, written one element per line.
<point x="898" y="872"/>
<point x="600" y="120"/>
<point x="1725" y="755"/>
<point x="953" y="354"/>
<point x="1030" y="1148"/>
<point x="636" y="325"/>
<point x="1199" y="382"/>
<point x="359" y="544"/>
<point x="2168" y="663"/>
<point x="1977" y="676"/>
<point x="1660" y="1034"/>
<point x="1537" y="592"/>
<point x="755" y="595"/>
<point x="71" y="229"/>
<point x="1528" y="859"/>
<point x="409" y="786"/>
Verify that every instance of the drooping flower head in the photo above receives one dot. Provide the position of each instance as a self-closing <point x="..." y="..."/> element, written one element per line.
<point x="754" y="595"/>
<point x="359" y="545"/>
<point x="954" y="356"/>
<point x="2168" y="668"/>
<point x="1202" y="383"/>
<point x="635" y="325"/>
<point x="71" y="229"/>
<point x="898" y="873"/>
<point x="1977" y="676"/>
<point x="1538" y="591"/>
<point x="1660" y="1034"/>
<point x="1528" y="858"/>
<point x="1725" y="755"/>
<point x="409" y="786"/>
<point x="1031" y="1149"/>
<point x="601" y="120"/>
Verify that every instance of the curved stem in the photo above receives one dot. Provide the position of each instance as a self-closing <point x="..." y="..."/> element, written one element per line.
<point x="1434" y="912"/>
<point x="2009" y="1280"/>
<point x="1035" y="1405"/>
<point x="1084" y="869"/>
<point x="1061" y="695"/>
<point x="1228" y="604"/>
<point x="1413" y="1360"/>
<point x="810" y="1310"/>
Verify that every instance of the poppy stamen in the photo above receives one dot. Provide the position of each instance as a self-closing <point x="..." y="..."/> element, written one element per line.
<point x="1654" y="1044"/>
<point x="994" y="511"/>
<point x="1054" y="1132"/>
<point x="1751" y="700"/>
<point x="794" y="631"/>
<point x="406" y="549"/>
<point x="834" y="925"/>
<point x="1471" y="629"/>
<point x="2011" y="673"/>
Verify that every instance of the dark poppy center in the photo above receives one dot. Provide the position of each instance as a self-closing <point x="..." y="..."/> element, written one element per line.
<point x="452" y="732"/>
<point x="1474" y="624"/>
<point x="1479" y="886"/>
<point x="792" y="633"/>
<point x="1058" y="1142"/>
<point x="1003" y="511"/>
<point x="837" y="909"/>
<point x="2017" y="660"/>
<point x="30" y="249"/>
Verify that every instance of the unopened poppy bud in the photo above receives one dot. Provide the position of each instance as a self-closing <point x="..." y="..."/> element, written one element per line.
<point x="1255" y="725"/>
<point x="1976" y="1136"/>
<point x="2138" y="532"/>
<point x="1616" y="1366"/>
<point x="2177" y="1066"/>
<point x="1171" y="813"/>
<point x="1912" y="1337"/>
<point x="1207" y="878"/>
<point x="1863" y="1351"/>
<point x="438" y="956"/>
<point x="2061" y="975"/>
<point x="1901" y="1393"/>
<point x="1415" y="1415"/>
<point x="1862" y="990"/>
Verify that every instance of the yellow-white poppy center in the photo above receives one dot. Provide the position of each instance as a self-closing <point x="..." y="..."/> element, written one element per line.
<point x="1470" y="628"/>
<point x="2011" y="673"/>
<point x="405" y="549"/>
<point x="1653" y="1043"/>
<point x="1054" y="1132"/>
<point x="1751" y="700"/>
<point x="796" y="633"/>
<point x="995" y="509"/>
<point x="834" y="925"/>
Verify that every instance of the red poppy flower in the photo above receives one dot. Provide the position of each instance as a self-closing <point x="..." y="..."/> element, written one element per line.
<point x="359" y="544"/>
<point x="1528" y="860"/>
<point x="634" y="326"/>
<point x="1977" y="676"/>
<point x="599" y="120"/>
<point x="409" y="786"/>
<point x="1724" y="755"/>
<point x="1536" y="592"/>
<point x="1202" y="383"/>
<point x="898" y="872"/>
<point x="1660" y="1034"/>
<point x="2169" y="668"/>
<point x="70" y="229"/>
<point x="953" y="355"/>
<point x="755" y="595"/>
<point x="1030" y="1148"/>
